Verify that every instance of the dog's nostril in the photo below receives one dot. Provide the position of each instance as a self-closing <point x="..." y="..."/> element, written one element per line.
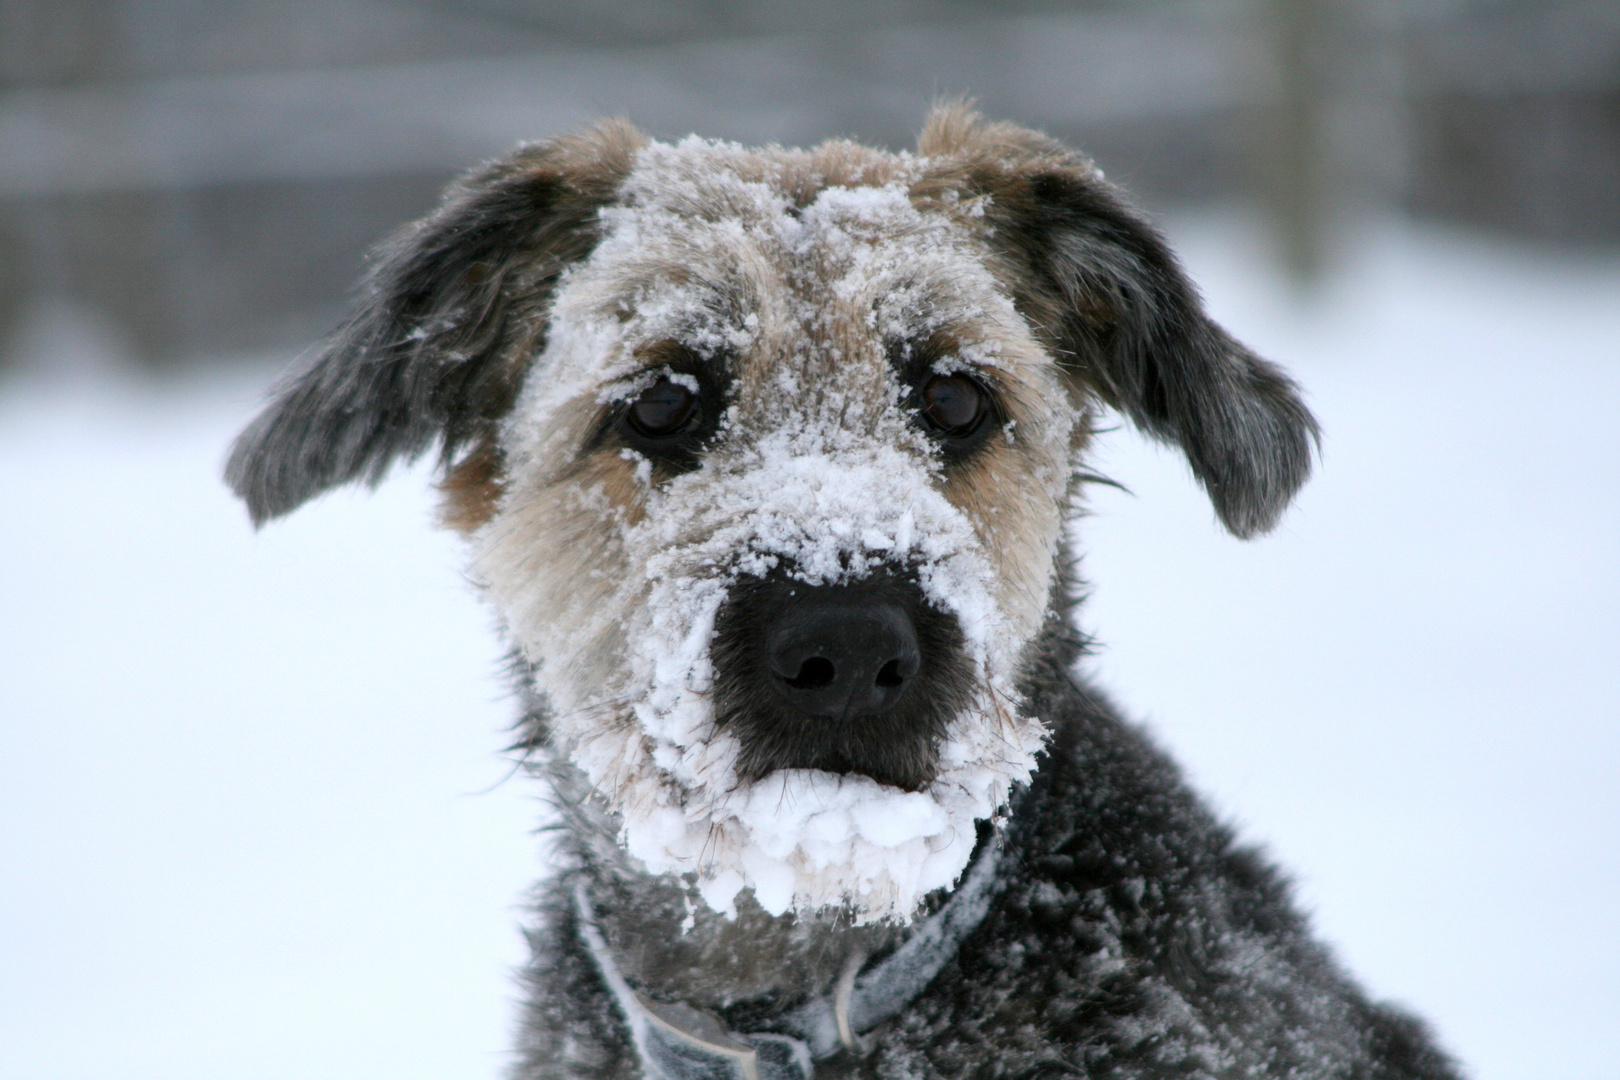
<point x="835" y="653"/>
<point x="814" y="674"/>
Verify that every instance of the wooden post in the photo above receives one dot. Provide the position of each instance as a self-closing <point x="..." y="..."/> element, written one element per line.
<point x="1294" y="181"/>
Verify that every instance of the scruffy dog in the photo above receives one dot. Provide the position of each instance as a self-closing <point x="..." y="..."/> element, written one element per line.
<point x="764" y="458"/>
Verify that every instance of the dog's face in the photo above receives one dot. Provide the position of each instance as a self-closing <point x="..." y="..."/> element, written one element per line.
<point x="781" y="504"/>
<point x="764" y="458"/>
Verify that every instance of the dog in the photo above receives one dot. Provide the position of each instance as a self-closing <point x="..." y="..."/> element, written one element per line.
<point x="764" y="457"/>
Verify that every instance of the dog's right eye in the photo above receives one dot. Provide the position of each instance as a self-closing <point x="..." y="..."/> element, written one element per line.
<point x="663" y="410"/>
<point x="665" y="421"/>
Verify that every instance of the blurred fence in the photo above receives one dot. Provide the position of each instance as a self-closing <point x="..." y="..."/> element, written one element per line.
<point x="206" y="174"/>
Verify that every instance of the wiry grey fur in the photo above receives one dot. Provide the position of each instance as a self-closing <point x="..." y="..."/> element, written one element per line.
<point x="1131" y="936"/>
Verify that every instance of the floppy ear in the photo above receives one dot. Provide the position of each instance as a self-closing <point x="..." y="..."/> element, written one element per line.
<point x="452" y="311"/>
<point x="1130" y="327"/>
<point x="1103" y="289"/>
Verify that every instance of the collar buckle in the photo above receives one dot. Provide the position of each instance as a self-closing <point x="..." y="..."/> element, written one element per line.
<point x="679" y="1042"/>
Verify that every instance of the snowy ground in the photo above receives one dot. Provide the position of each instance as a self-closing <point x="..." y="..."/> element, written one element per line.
<point x="251" y="818"/>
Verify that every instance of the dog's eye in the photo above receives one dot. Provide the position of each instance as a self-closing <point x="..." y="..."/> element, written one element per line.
<point x="954" y="405"/>
<point x="663" y="410"/>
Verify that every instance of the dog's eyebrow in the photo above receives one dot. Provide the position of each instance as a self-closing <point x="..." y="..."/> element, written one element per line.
<point x="672" y="353"/>
<point x="679" y="307"/>
<point x="911" y="357"/>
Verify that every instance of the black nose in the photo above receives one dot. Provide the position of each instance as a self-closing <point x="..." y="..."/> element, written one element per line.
<point x="860" y="678"/>
<point x="837" y="654"/>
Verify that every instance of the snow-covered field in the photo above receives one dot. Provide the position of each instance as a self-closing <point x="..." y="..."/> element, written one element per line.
<point x="252" y="823"/>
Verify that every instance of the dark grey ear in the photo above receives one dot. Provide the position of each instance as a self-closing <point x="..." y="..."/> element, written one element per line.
<point x="1129" y="326"/>
<point x="452" y="310"/>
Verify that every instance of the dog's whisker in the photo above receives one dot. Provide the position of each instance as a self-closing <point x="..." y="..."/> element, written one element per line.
<point x="513" y="769"/>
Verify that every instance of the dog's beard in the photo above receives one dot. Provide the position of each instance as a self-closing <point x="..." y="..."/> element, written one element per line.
<point x="801" y="839"/>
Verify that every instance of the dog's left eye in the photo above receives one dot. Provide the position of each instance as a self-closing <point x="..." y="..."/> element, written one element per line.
<point x="955" y="406"/>
<point x="663" y="410"/>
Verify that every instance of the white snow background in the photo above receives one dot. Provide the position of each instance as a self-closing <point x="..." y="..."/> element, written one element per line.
<point x="251" y="824"/>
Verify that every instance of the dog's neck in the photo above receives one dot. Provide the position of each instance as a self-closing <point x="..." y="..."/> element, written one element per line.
<point x="670" y="944"/>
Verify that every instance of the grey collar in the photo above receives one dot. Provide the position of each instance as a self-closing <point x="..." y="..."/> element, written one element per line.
<point x="679" y="1042"/>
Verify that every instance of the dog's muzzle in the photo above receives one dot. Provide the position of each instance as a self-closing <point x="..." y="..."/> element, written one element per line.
<point x="859" y="677"/>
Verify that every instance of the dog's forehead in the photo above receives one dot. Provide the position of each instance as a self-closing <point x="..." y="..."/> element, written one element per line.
<point x="805" y="255"/>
